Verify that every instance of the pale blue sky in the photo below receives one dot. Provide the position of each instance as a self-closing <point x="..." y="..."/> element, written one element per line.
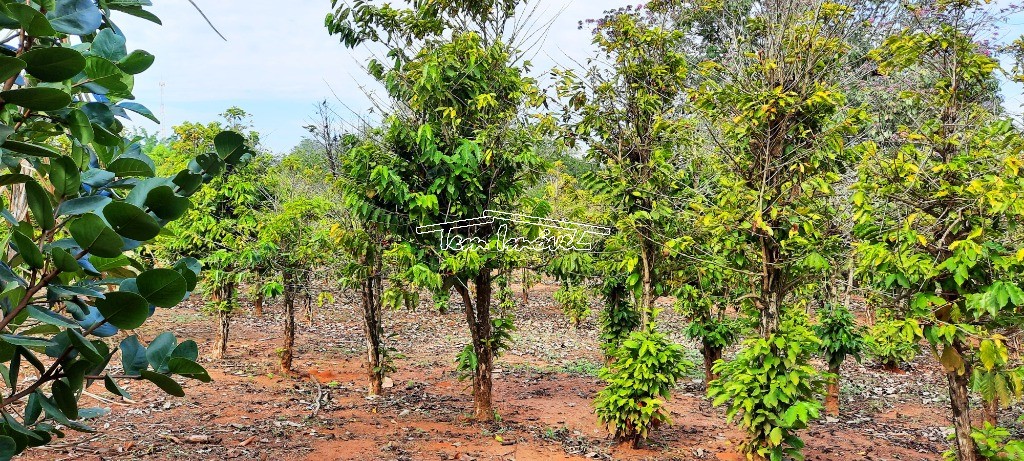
<point x="279" y="61"/>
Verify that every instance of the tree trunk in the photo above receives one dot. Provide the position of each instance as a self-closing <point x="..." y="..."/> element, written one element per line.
<point x="478" y="317"/>
<point x="224" y="294"/>
<point x="647" y="297"/>
<point x="306" y="298"/>
<point x="770" y="303"/>
<point x="224" y="325"/>
<point x="287" y="351"/>
<point x="373" y="329"/>
<point x="711" y="355"/>
<point x="258" y="305"/>
<point x="832" y="393"/>
<point x="959" y="399"/>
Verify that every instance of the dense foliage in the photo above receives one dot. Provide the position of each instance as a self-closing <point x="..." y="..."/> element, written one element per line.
<point x="82" y="202"/>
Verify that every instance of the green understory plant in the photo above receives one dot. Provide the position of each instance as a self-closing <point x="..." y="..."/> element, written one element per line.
<point x="642" y="375"/>
<point x="893" y="341"/>
<point x="840" y="338"/>
<point x="772" y="389"/>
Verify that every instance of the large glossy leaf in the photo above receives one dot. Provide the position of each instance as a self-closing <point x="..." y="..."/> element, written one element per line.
<point x="81" y="126"/>
<point x="9" y="67"/>
<point x="83" y="205"/>
<point x="130" y="221"/>
<point x="164" y="203"/>
<point x="139" y="109"/>
<point x="50" y="317"/>
<point x="54" y="64"/>
<point x="168" y="384"/>
<point x="75" y="17"/>
<point x="33" y="150"/>
<point x="28" y="250"/>
<point x="110" y="45"/>
<point x="124" y="310"/>
<point x="188" y="368"/>
<point x="39" y="204"/>
<point x="162" y="287"/>
<point x="137" y="62"/>
<point x="228" y="144"/>
<point x="105" y="73"/>
<point x="32" y="20"/>
<point x="93" y="235"/>
<point x="160" y="350"/>
<point x="133" y="356"/>
<point x="65" y="177"/>
<point x="37" y="98"/>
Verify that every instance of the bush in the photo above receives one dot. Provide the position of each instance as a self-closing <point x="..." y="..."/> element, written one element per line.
<point x="645" y="369"/>
<point x="773" y="388"/>
<point x="994" y="444"/>
<point x="575" y="303"/>
<point x="892" y="341"/>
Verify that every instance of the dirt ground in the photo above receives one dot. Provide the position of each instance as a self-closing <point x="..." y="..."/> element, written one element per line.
<point x="544" y="387"/>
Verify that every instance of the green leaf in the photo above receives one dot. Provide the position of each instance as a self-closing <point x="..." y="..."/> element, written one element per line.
<point x="39" y="202"/>
<point x="133" y="356"/>
<point x="8" y="448"/>
<point x="75" y="17"/>
<point x="41" y="99"/>
<point x="139" y="109"/>
<point x="124" y="310"/>
<point x="160" y="351"/>
<point x="164" y="203"/>
<point x="65" y="177"/>
<point x="113" y="388"/>
<point x="81" y="126"/>
<point x="94" y="236"/>
<point x="26" y="341"/>
<point x="53" y="64"/>
<point x="228" y="144"/>
<point x="162" y="287"/>
<point x="10" y="67"/>
<point x="83" y="205"/>
<point x="65" y="399"/>
<point x="130" y="221"/>
<point x="136" y="63"/>
<point x="110" y="45"/>
<point x="64" y="260"/>
<point x="187" y="368"/>
<point x="50" y="317"/>
<point x="33" y="150"/>
<point x="105" y="73"/>
<point x="168" y="384"/>
<point x="84" y="347"/>
<point x="28" y="250"/>
<point x="32" y="20"/>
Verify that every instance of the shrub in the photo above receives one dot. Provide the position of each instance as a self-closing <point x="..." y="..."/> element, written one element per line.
<point x="840" y="337"/>
<point x="645" y="369"/>
<point x="773" y="389"/>
<point x="575" y="303"/>
<point x="892" y="341"/>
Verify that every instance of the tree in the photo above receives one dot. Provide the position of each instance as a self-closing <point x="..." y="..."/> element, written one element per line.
<point x="631" y="119"/>
<point x="73" y="276"/>
<point x="297" y="237"/>
<point x="220" y="230"/>
<point x="778" y="121"/>
<point x="458" y="143"/>
<point x="936" y="208"/>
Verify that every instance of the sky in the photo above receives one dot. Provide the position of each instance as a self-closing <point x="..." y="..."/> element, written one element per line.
<point x="278" y="62"/>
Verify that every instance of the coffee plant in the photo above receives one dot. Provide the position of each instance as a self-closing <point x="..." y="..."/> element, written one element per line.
<point x="644" y="370"/>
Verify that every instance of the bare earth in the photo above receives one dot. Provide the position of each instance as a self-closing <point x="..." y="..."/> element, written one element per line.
<point x="543" y="394"/>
